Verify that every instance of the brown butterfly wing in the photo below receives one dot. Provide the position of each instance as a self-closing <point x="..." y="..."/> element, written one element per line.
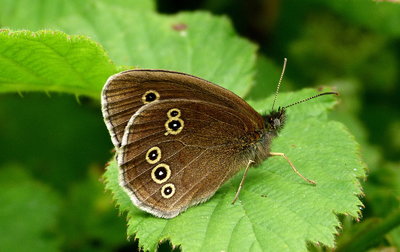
<point x="212" y="144"/>
<point x="125" y="92"/>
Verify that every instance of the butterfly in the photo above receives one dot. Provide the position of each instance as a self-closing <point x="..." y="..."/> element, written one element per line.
<point x="179" y="137"/>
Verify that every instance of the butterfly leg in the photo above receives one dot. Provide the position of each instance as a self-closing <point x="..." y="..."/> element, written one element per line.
<point x="294" y="168"/>
<point x="242" y="181"/>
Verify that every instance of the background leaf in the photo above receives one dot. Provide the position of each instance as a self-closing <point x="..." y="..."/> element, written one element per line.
<point x="43" y="14"/>
<point x="381" y="16"/>
<point x="177" y="42"/>
<point x="52" y="61"/>
<point x="144" y="39"/>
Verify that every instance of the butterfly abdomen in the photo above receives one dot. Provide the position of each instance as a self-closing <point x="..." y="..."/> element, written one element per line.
<point x="255" y="147"/>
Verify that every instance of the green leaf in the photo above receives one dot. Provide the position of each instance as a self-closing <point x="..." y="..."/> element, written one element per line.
<point x="44" y="14"/>
<point x="381" y="16"/>
<point x="52" y="61"/>
<point x="316" y="59"/>
<point x="207" y="46"/>
<point x="28" y="212"/>
<point x="277" y="210"/>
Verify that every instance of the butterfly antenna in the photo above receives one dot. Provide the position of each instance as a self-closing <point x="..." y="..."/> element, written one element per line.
<point x="309" y="98"/>
<point x="279" y="83"/>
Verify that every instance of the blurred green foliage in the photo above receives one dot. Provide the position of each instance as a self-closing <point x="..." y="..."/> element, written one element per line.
<point x="55" y="146"/>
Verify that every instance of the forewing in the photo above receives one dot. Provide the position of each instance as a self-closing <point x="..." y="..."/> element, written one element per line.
<point x="125" y="93"/>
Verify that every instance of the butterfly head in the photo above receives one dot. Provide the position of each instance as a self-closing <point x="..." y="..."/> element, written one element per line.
<point x="275" y="120"/>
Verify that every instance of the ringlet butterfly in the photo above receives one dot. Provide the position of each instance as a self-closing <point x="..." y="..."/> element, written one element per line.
<point x="179" y="138"/>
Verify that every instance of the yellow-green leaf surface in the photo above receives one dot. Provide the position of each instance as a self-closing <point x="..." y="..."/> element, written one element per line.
<point x="277" y="210"/>
<point x="52" y="61"/>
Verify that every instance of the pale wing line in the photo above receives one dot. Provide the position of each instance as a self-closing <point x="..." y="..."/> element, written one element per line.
<point x="202" y="152"/>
